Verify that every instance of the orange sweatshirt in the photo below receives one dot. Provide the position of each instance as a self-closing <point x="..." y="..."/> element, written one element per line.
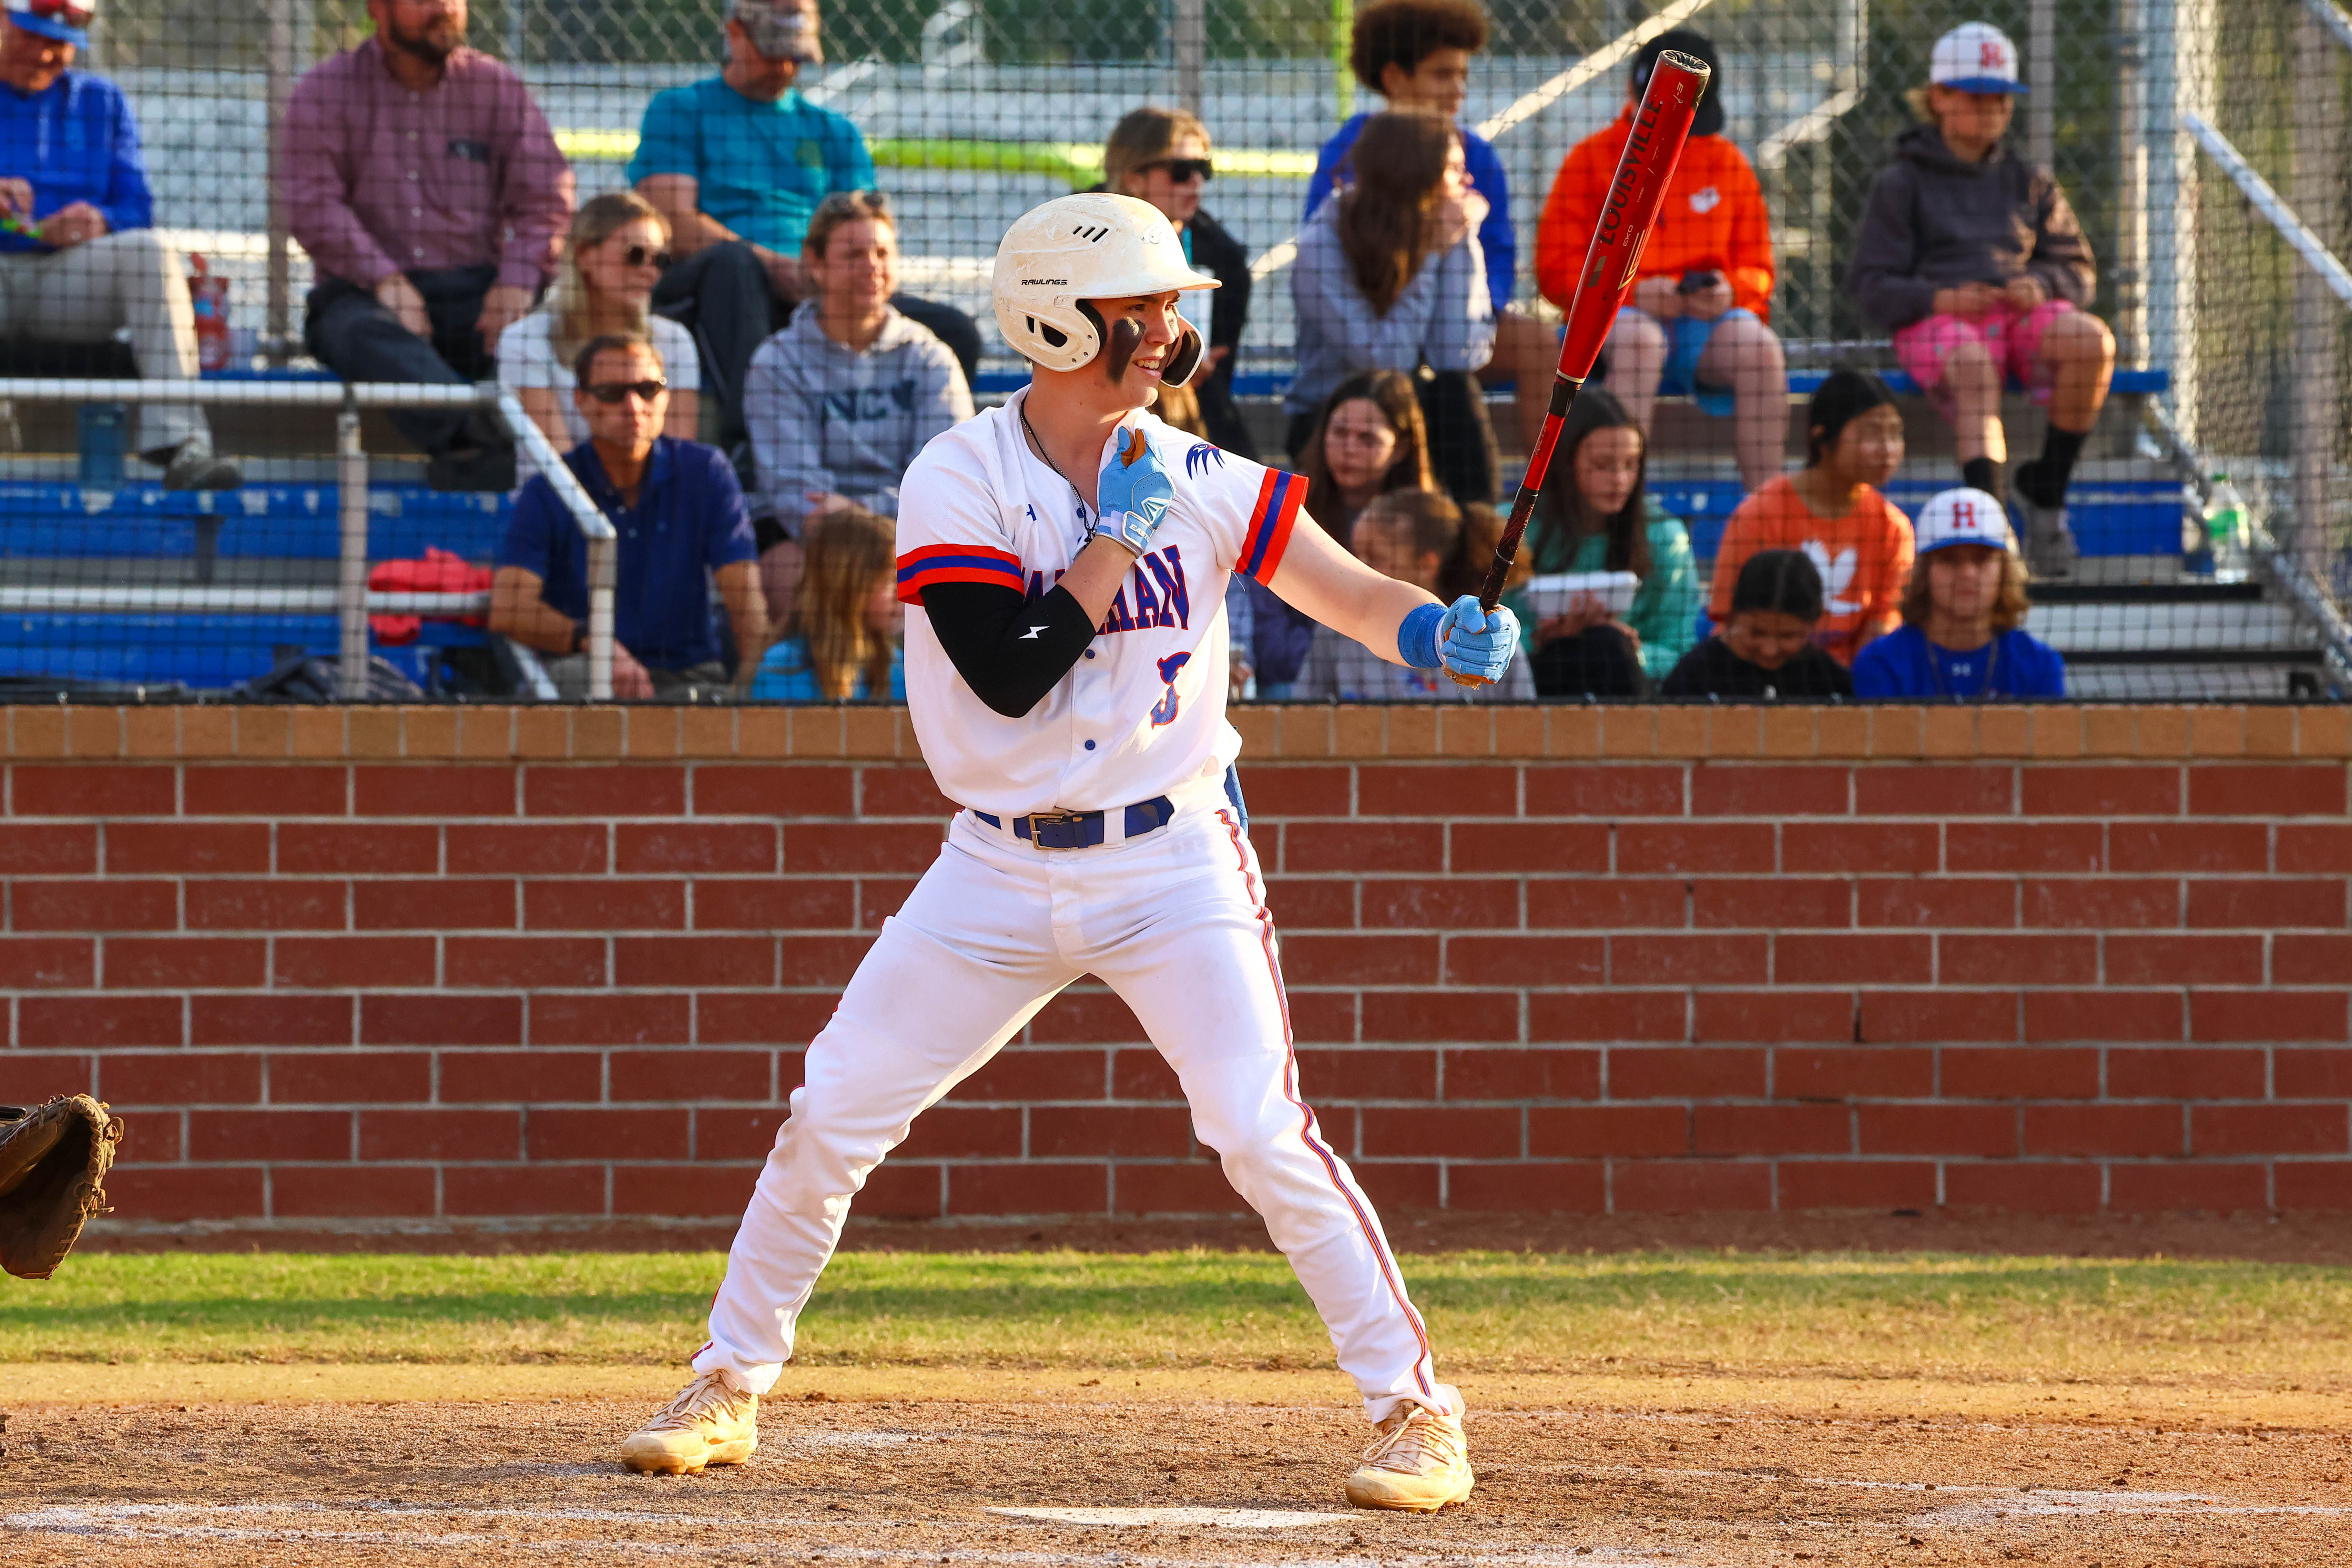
<point x="1864" y="558"/>
<point x="1713" y="218"/>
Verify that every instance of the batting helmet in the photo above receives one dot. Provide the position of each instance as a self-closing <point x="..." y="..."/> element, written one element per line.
<point x="1095" y="246"/>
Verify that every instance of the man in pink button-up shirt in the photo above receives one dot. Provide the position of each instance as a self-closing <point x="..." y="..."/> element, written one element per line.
<point x="429" y="192"/>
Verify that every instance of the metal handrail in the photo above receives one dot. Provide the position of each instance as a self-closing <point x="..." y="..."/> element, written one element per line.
<point x="350" y="599"/>
<point x="2334" y="20"/>
<point x="2272" y="206"/>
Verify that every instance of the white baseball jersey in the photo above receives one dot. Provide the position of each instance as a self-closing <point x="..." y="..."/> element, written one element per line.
<point x="1173" y="920"/>
<point x="1142" y="712"/>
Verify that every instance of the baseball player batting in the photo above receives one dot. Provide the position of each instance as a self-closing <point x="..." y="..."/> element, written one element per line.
<point x="1065" y="561"/>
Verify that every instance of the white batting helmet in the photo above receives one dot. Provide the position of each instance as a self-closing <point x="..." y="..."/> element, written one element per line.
<point x="1094" y="245"/>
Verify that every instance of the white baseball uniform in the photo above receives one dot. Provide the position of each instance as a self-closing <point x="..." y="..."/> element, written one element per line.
<point x="1169" y="910"/>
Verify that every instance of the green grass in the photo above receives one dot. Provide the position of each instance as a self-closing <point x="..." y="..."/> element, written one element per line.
<point x="1938" y="1315"/>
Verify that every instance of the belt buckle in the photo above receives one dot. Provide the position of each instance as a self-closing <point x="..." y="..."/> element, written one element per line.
<point x="1066" y="825"/>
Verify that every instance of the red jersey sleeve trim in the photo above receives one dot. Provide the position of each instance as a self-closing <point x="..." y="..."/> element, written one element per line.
<point x="919" y="569"/>
<point x="1279" y="497"/>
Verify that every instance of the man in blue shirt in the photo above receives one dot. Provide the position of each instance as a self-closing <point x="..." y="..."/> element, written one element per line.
<point x="1960" y="639"/>
<point x="737" y="163"/>
<point x="78" y="258"/>
<point x="681" y="521"/>
<point x="1416" y="54"/>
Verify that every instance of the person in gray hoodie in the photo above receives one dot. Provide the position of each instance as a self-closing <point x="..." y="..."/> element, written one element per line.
<point x="840" y="401"/>
<point x="1391" y="273"/>
<point x="1972" y="256"/>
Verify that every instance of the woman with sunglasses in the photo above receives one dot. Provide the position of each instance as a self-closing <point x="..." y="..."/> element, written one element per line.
<point x="1161" y="155"/>
<point x="617" y="249"/>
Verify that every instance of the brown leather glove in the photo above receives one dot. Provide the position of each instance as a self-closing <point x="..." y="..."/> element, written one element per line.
<point x="53" y="1163"/>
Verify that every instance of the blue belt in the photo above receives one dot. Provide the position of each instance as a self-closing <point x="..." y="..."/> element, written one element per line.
<point x="1083" y="829"/>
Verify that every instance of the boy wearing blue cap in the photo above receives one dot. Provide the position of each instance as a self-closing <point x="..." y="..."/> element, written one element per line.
<point x="80" y="259"/>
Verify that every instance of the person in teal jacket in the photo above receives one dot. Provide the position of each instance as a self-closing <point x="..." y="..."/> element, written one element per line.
<point x="1599" y="516"/>
<point x="840" y="642"/>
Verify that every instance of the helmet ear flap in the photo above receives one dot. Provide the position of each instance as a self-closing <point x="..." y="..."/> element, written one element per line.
<point x="1184" y="358"/>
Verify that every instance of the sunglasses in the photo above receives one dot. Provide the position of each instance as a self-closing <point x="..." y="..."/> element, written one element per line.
<point x="1184" y="171"/>
<point x="72" y="15"/>
<point x="639" y="256"/>
<point x="609" y="392"/>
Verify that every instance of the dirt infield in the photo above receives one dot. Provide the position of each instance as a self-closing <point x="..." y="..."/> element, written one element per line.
<point x="1697" y="1475"/>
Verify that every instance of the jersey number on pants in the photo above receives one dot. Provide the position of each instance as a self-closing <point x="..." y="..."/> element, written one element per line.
<point x="1165" y="712"/>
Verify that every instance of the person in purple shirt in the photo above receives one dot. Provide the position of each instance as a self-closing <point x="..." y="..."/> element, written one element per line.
<point x="429" y="192"/>
<point x="681" y="523"/>
<point x="1416" y="54"/>
<point x="78" y="258"/>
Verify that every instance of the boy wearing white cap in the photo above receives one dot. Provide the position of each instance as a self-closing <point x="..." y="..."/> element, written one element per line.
<point x="1972" y="256"/>
<point x="1961" y="639"/>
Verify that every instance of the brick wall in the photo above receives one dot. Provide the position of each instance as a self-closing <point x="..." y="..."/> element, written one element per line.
<point x="373" y="962"/>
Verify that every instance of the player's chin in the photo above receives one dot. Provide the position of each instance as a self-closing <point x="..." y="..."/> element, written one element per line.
<point x="1141" y="385"/>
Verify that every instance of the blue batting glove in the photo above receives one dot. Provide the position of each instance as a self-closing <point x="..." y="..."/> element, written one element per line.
<point x="1475" y="644"/>
<point x="1133" y="492"/>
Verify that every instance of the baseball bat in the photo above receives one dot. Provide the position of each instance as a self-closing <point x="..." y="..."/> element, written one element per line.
<point x="1661" y="126"/>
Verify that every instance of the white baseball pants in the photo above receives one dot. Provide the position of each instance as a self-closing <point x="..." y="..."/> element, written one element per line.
<point x="1175" y="923"/>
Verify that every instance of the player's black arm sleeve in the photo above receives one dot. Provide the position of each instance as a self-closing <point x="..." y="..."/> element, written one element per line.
<point x="1010" y="649"/>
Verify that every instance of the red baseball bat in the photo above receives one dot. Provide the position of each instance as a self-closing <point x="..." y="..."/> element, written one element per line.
<point x="1660" y="125"/>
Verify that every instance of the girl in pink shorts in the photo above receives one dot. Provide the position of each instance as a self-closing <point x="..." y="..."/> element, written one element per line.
<point x="1972" y="258"/>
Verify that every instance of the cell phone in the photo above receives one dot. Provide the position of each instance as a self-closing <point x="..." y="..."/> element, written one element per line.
<point x="1697" y="282"/>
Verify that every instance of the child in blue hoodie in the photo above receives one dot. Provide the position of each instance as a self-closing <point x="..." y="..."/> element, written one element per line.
<point x="1960" y="639"/>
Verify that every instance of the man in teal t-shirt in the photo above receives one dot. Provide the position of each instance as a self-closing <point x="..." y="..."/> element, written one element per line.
<point x="737" y="164"/>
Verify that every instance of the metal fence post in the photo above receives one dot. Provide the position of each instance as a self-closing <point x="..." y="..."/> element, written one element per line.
<point x="2316" y="190"/>
<point x="351" y="579"/>
<point x="2180" y="82"/>
<point x="2041" y="77"/>
<point x="1191" y="52"/>
<point x="2128" y="277"/>
<point x="289" y="47"/>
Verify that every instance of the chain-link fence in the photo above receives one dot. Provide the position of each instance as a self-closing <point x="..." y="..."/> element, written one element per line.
<point x="2203" y="152"/>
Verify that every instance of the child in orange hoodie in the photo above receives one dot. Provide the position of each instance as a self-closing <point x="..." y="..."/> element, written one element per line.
<point x="1697" y="324"/>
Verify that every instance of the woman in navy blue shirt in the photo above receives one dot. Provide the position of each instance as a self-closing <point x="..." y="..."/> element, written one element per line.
<point x="1961" y="639"/>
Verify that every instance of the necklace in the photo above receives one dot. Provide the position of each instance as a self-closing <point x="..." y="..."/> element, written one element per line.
<point x="1984" y="692"/>
<point x="1047" y="458"/>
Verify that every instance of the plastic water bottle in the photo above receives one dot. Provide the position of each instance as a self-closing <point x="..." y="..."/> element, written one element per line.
<point x="2225" y="531"/>
<point x="208" y="296"/>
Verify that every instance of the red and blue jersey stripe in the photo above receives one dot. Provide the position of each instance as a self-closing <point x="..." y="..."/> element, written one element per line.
<point x="919" y="569"/>
<point x="1278" y="499"/>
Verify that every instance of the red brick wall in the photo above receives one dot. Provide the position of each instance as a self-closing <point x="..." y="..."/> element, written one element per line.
<point x="532" y="963"/>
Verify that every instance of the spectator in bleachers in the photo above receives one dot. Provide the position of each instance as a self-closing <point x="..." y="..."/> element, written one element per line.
<point x="1161" y="155"/>
<point x="1418" y="537"/>
<point x="1389" y="274"/>
<point x="428" y="191"/>
<point x="81" y="260"/>
<point x="1697" y="324"/>
<point x="1368" y="439"/>
<point x="617" y="247"/>
<point x="1416" y="55"/>
<point x="1831" y="510"/>
<point x="1764" y="650"/>
<point x="1962" y="637"/>
<point x="1972" y="257"/>
<point x="737" y="163"/>
<point x="840" y="642"/>
<point x="1599" y="516"/>
<point x="681" y="521"/>
<point x="839" y="401"/>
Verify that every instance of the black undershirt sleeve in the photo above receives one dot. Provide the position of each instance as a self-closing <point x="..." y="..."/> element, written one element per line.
<point x="1011" y="649"/>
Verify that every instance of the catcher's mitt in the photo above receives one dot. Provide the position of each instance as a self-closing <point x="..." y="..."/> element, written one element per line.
<point x="53" y="1160"/>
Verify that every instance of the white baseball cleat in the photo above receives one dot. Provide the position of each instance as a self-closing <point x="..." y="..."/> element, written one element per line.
<point x="711" y="1422"/>
<point x="1419" y="1462"/>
